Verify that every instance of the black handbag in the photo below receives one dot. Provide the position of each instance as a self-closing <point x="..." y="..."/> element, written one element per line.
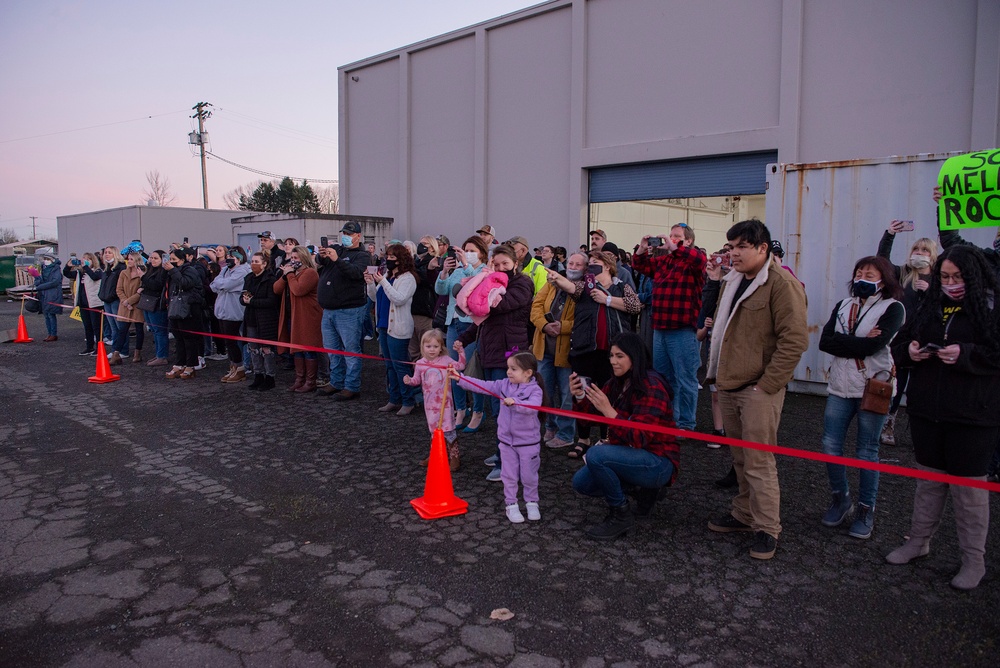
<point x="32" y="305"/>
<point x="179" y="308"/>
<point x="148" y="302"/>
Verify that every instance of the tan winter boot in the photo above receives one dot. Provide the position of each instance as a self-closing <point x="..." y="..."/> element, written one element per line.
<point x="136" y="356"/>
<point x="115" y="359"/>
<point x="972" y="521"/>
<point x="228" y="378"/>
<point x="453" y="460"/>
<point x="928" y="504"/>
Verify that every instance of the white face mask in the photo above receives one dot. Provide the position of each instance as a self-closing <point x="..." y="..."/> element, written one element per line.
<point x="472" y="257"/>
<point x="918" y="261"/>
<point x="46" y="262"/>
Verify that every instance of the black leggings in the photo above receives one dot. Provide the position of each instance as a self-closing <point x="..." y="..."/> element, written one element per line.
<point x="597" y="366"/>
<point x="189" y="342"/>
<point x="232" y="328"/>
<point x="902" y="377"/>
<point x="958" y="449"/>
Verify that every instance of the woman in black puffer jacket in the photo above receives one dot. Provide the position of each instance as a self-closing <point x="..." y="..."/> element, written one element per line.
<point x="186" y="289"/>
<point x="261" y="320"/>
<point x="952" y="348"/>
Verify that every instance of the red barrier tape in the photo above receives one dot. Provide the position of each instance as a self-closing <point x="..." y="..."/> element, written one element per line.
<point x="628" y="424"/>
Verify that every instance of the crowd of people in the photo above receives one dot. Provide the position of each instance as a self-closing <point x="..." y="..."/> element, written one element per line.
<point x="490" y="330"/>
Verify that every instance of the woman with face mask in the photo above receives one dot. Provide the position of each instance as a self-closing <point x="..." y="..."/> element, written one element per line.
<point x="260" y="318"/>
<point x="914" y="277"/>
<point x="952" y="348"/>
<point x="154" y="282"/>
<point x="87" y="275"/>
<point x="604" y="306"/>
<point x="392" y="293"/>
<point x="858" y="335"/>
<point x="299" y="315"/>
<point x="466" y="264"/>
<point x="48" y="286"/>
<point x="229" y="311"/>
<point x="185" y="285"/>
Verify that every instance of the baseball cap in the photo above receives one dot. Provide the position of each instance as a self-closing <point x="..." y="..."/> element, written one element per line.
<point x="776" y="248"/>
<point x="351" y="227"/>
<point x="442" y="239"/>
<point x="518" y="240"/>
<point x="487" y="229"/>
<point x="266" y="234"/>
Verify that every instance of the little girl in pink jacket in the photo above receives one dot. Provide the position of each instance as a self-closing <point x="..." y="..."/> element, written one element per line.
<point x="431" y="374"/>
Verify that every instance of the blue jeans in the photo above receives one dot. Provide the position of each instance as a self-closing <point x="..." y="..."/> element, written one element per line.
<point x="455" y="330"/>
<point x="557" y="388"/>
<point x="494" y="374"/>
<point x="396" y="354"/>
<point x="112" y="308"/>
<point x="342" y="331"/>
<point x="608" y="466"/>
<point x="157" y="321"/>
<point x="677" y="357"/>
<point x="836" y="419"/>
<point x="50" y="324"/>
<point x="368" y="325"/>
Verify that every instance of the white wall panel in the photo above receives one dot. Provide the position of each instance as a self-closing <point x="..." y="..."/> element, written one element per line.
<point x="660" y="69"/>
<point x="528" y="107"/>
<point x="442" y="132"/>
<point x="893" y="77"/>
<point x="373" y="140"/>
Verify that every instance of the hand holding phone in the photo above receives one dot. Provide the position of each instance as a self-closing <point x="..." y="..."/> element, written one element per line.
<point x="655" y="242"/>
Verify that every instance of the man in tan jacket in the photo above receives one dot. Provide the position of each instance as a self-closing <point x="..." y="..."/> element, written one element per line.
<point x="758" y="336"/>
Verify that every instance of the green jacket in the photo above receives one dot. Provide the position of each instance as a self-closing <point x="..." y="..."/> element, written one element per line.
<point x="535" y="270"/>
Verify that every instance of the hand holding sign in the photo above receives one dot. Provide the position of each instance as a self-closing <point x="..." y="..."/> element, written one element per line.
<point x="970" y="193"/>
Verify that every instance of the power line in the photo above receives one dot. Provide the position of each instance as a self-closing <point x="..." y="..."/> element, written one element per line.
<point x="312" y="135"/>
<point x="91" y="127"/>
<point x="270" y="174"/>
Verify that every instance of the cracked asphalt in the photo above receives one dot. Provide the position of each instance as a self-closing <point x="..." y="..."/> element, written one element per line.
<point x="149" y="522"/>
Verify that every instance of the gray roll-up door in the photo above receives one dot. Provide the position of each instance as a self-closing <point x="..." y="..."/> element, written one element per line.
<point x="741" y="174"/>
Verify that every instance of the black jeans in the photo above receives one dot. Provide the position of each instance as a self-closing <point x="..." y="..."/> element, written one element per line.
<point x="187" y="335"/>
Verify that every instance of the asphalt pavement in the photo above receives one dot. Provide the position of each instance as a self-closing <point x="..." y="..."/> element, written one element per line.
<point x="149" y="522"/>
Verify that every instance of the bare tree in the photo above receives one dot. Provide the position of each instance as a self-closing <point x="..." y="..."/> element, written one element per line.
<point x="158" y="189"/>
<point x="329" y="197"/>
<point x="232" y="198"/>
<point x="8" y="235"/>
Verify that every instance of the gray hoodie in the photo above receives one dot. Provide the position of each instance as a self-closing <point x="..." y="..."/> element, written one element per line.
<point x="228" y="285"/>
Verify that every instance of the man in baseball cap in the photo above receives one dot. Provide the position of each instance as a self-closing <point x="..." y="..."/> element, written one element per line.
<point x="531" y="267"/>
<point x="488" y="234"/>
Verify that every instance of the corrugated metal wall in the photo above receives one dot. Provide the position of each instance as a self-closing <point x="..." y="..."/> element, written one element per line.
<point x="828" y="215"/>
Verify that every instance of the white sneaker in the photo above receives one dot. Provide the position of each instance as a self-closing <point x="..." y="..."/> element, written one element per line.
<point x="201" y="364"/>
<point x="514" y="513"/>
<point x="532" y="508"/>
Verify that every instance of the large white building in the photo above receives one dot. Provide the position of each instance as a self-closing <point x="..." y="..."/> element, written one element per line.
<point x="619" y="113"/>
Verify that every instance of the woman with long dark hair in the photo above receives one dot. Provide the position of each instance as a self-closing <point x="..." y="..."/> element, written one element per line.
<point x="635" y="457"/>
<point x="392" y="293"/>
<point x="185" y="312"/>
<point x="261" y="321"/>
<point x="154" y="282"/>
<point x="952" y="348"/>
<point x="858" y="335"/>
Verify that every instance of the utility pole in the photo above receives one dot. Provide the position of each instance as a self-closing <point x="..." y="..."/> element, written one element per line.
<point x="200" y="138"/>
<point x="34" y="235"/>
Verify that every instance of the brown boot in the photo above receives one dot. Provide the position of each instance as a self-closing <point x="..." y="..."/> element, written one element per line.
<point x="228" y="378"/>
<point x="453" y="461"/>
<point x="239" y="375"/>
<point x="300" y="374"/>
<point x="136" y="356"/>
<point x="312" y="366"/>
<point x="115" y="359"/>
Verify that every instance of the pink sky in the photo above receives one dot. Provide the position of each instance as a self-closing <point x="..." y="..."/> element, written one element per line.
<point x="268" y="68"/>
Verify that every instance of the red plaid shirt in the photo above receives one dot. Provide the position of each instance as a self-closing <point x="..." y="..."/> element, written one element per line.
<point x="653" y="405"/>
<point x="678" y="281"/>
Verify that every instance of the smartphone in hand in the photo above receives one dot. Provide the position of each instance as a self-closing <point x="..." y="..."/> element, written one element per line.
<point x="907" y="226"/>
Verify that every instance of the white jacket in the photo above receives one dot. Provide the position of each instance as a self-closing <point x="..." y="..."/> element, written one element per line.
<point x="400" y="294"/>
<point x="846" y="378"/>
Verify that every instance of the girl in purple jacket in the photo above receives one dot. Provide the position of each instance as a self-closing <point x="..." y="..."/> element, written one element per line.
<point x="519" y="429"/>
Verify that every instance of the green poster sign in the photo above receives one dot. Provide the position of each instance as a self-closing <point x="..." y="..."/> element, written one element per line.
<point x="970" y="194"/>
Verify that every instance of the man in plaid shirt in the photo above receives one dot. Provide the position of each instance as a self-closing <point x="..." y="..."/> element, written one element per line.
<point x="678" y="280"/>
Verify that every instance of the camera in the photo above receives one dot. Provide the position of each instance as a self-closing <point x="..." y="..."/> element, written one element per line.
<point x="655" y="242"/>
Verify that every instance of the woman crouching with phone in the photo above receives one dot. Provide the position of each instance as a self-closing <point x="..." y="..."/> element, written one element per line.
<point x="634" y="457"/>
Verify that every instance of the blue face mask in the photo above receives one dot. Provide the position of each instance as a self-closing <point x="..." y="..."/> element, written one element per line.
<point x="346" y="240"/>
<point x="574" y="274"/>
<point x="863" y="289"/>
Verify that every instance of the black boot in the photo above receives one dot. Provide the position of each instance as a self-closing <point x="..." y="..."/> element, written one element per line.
<point x="618" y="521"/>
<point x="258" y="380"/>
<point x="645" y="500"/>
<point x="268" y="383"/>
<point x="728" y="480"/>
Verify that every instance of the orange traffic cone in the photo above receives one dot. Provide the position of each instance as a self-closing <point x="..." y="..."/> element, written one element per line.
<point x="22" y="331"/>
<point x="103" y="373"/>
<point x="439" y="498"/>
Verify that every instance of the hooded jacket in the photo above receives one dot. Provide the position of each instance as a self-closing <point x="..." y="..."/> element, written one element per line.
<point x="227" y="286"/>
<point x="49" y="288"/>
